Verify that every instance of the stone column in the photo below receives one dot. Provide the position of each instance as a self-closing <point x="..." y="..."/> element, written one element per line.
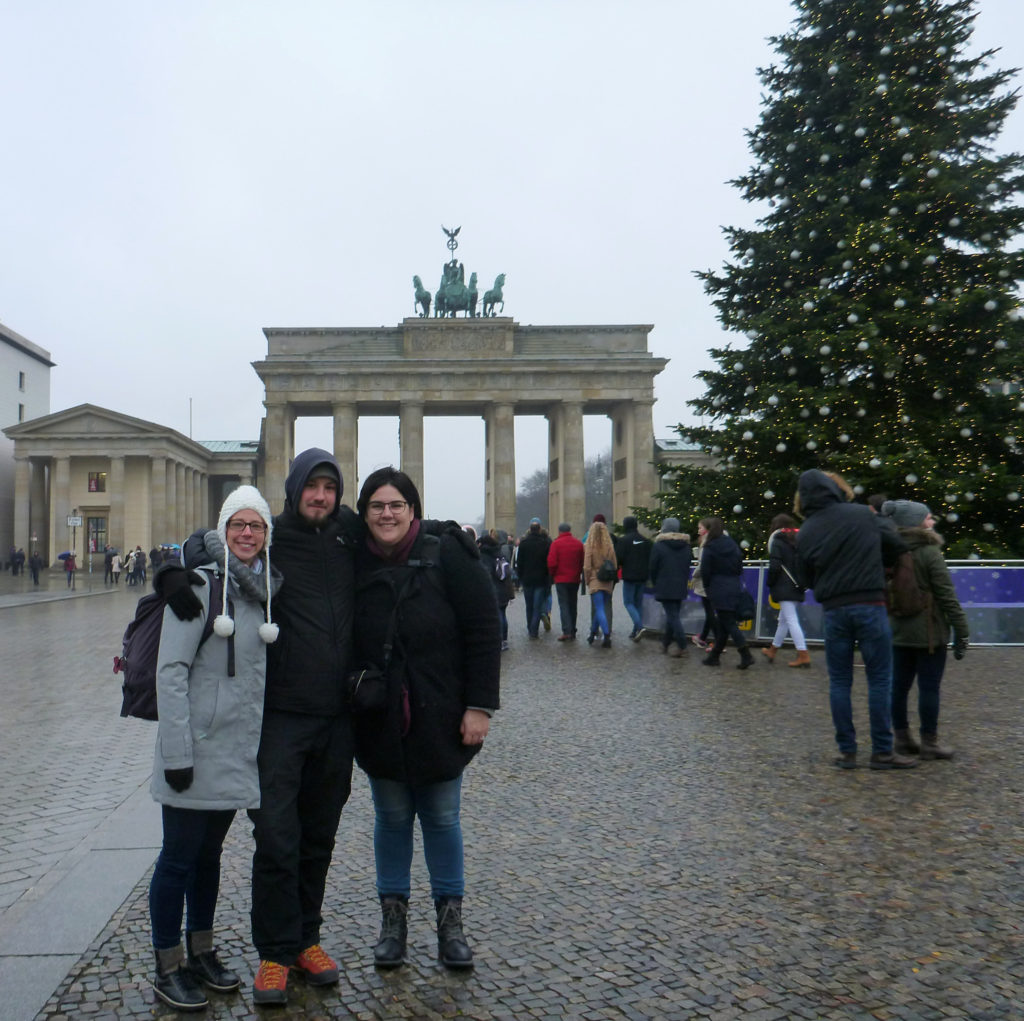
<point x="204" y="501"/>
<point x="500" y="485"/>
<point x="644" y="477"/>
<point x="197" y="498"/>
<point x="61" y="504"/>
<point x="171" y="513"/>
<point x="574" y="500"/>
<point x="556" y="437"/>
<point x="182" y="505"/>
<point x="346" y="449"/>
<point x="39" y="516"/>
<point x="115" y="494"/>
<point x="410" y="443"/>
<point x="280" y="448"/>
<point x="158" y="501"/>
<point x="22" y="505"/>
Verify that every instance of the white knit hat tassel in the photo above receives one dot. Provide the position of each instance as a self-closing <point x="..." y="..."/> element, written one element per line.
<point x="223" y="625"/>
<point x="268" y="630"/>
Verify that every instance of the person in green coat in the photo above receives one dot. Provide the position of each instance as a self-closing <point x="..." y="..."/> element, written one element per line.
<point x="919" y="642"/>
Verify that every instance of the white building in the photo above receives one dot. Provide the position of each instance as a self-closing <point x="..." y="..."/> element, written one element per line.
<point x="24" y="394"/>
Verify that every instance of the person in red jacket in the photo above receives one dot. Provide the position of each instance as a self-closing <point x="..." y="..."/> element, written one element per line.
<point x="565" y="565"/>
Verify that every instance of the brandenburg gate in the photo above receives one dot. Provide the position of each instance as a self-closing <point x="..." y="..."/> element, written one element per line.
<point x="486" y="366"/>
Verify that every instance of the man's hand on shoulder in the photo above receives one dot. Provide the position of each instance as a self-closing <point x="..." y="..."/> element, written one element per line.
<point x="174" y="584"/>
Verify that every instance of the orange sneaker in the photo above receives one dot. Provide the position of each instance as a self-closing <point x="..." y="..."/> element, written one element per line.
<point x="317" y="967"/>
<point x="271" y="983"/>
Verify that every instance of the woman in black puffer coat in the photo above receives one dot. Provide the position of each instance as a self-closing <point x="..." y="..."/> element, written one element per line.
<point x="721" y="569"/>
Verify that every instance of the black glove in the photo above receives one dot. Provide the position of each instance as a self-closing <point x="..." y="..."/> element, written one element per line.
<point x="179" y="779"/>
<point x="959" y="648"/>
<point x="174" y="584"/>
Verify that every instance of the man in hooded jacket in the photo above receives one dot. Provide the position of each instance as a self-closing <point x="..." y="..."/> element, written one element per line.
<point x="842" y="553"/>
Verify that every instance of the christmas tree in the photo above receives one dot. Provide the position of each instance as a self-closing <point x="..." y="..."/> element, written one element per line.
<point x="875" y="305"/>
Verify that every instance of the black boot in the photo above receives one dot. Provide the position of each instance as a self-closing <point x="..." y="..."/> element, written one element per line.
<point x="175" y="984"/>
<point x="712" y="658"/>
<point x="452" y="949"/>
<point x="390" y="949"/>
<point x="204" y="963"/>
<point x="746" y="658"/>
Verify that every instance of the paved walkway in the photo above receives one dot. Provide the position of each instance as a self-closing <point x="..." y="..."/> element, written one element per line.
<point x="646" y="838"/>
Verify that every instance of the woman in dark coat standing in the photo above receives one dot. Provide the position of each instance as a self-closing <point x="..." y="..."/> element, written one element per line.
<point x="721" y="569"/>
<point x="670" y="576"/>
<point x="427" y="617"/>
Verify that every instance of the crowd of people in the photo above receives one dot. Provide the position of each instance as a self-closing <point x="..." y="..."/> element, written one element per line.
<point x="374" y="637"/>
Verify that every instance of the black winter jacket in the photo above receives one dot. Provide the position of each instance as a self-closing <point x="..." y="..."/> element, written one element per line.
<point x="633" y="553"/>
<point x="669" y="566"/>
<point x="532" y="559"/>
<point x="841" y="548"/>
<point x="721" y="570"/>
<point x="447" y="654"/>
<point x="783" y="571"/>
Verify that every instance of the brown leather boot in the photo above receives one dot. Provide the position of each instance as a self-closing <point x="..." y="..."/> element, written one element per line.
<point x="803" y="659"/>
<point x="904" y="743"/>
<point x="769" y="652"/>
<point x="931" y="749"/>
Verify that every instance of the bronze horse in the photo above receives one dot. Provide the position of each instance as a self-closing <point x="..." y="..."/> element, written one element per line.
<point x="422" y="299"/>
<point x="494" y="296"/>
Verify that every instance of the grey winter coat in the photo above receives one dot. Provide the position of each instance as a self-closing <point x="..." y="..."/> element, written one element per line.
<point x="209" y="720"/>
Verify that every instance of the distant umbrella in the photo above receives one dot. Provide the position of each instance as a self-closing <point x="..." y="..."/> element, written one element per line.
<point x="64" y="556"/>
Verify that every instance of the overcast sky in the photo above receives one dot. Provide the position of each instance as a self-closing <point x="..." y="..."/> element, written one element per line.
<point x="178" y="176"/>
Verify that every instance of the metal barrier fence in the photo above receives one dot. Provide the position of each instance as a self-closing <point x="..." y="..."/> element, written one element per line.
<point x="991" y="593"/>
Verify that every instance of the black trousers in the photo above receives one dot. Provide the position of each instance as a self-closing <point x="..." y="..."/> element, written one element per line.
<point x="305" y="778"/>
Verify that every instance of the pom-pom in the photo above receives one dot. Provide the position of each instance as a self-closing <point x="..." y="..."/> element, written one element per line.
<point x="223" y="626"/>
<point x="269" y="632"/>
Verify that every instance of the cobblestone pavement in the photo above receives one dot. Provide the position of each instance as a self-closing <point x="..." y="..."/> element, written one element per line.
<point x="646" y="838"/>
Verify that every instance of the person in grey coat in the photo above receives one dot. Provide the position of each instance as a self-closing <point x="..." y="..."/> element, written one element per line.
<point x="210" y="706"/>
<point x="670" y="575"/>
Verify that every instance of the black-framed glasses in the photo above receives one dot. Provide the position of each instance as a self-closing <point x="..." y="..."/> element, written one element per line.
<point x="256" y="527"/>
<point x="377" y="507"/>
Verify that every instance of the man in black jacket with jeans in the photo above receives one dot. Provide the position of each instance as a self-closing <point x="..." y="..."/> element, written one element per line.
<point x="842" y="553"/>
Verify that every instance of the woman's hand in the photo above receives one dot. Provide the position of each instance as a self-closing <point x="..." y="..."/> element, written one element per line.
<point x="475" y="725"/>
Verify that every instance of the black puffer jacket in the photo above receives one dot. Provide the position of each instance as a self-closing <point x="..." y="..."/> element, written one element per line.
<point x="721" y="570"/>
<point x="447" y="653"/>
<point x="841" y="549"/>
<point x="633" y="553"/>
<point x="783" y="571"/>
<point x="669" y="565"/>
<point x="532" y="559"/>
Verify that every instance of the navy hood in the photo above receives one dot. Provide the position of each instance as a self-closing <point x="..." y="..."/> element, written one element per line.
<point x="817" y="491"/>
<point x="298" y="476"/>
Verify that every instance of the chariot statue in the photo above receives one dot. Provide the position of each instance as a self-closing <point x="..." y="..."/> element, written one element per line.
<point x="453" y="293"/>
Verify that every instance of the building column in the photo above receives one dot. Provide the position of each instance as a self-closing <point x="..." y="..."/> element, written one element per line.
<point x="158" y="501"/>
<point x="410" y="443"/>
<point x="634" y="480"/>
<point x="346" y="449"/>
<point x="198" y="520"/>
<point x="204" y="500"/>
<point x="500" y="482"/>
<point x="115" y="499"/>
<point x="280" y="448"/>
<point x="22" y="505"/>
<point x="61" y="505"/>
<point x="171" y="513"/>
<point x="181" y="504"/>
<point x="574" y="496"/>
<point x="39" y="515"/>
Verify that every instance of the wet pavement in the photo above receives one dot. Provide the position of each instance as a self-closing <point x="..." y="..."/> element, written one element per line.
<point x="645" y="838"/>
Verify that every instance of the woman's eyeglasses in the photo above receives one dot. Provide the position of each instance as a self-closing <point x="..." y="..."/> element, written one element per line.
<point x="256" y="527"/>
<point x="376" y="508"/>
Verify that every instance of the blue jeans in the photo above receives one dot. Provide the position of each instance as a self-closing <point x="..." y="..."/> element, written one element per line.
<point x="396" y="805"/>
<point x="674" y="630"/>
<point x="865" y="626"/>
<point x="633" y="600"/>
<point x="929" y="668"/>
<point x="187" y="872"/>
<point x="534" y="597"/>
<point x="598" y="617"/>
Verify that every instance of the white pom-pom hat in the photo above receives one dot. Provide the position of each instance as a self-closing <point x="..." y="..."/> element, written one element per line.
<point x="244" y="498"/>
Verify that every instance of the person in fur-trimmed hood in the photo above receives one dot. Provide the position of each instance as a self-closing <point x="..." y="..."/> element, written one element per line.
<point x="669" y="569"/>
<point x="919" y="642"/>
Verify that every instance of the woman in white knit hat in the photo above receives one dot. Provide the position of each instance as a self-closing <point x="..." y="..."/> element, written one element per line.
<point x="210" y="705"/>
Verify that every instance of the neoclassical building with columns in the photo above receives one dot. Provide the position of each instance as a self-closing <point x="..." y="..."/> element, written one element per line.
<point x="131" y="482"/>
